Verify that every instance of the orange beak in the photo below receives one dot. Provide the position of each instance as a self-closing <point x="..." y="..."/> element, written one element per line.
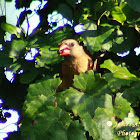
<point x="64" y="50"/>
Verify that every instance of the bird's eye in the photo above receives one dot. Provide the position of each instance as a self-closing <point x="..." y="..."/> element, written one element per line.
<point x="72" y="44"/>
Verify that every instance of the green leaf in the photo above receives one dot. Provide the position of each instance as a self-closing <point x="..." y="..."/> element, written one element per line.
<point x="11" y="29"/>
<point x="119" y="39"/>
<point x="118" y="14"/>
<point x="101" y="119"/>
<point x="90" y="126"/>
<point x="72" y="2"/>
<point x="89" y="83"/>
<point x="85" y="104"/>
<point x="76" y="131"/>
<point x="134" y="4"/>
<point x="48" y="57"/>
<point x="121" y="106"/>
<point x="132" y="94"/>
<point x="97" y="126"/>
<point x="85" y="81"/>
<point x="128" y="125"/>
<point x="45" y="86"/>
<point x="119" y="76"/>
<point x="89" y="35"/>
<point x="46" y="125"/>
<point x="131" y="15"/>
<point x="124" y="40"/>
<point x="108" y="106"/>
<point x="15" y="67"/>
<point x="35" y="106"/>
<point x="40" y="94"/>
<point x="29" y="76"/>
<point x="65" y="10"/>
<point x="57" y="131"/>
<point x="80" y="103"/>
<point x="18" y="48"/>
<point x="86" y="101"/>
<point x="65" y="119"/>
<point x="100" y="39"/>
<point x="6" y="61"/>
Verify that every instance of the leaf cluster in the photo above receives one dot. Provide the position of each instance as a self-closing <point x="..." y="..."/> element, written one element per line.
<point x="100" y="105"/>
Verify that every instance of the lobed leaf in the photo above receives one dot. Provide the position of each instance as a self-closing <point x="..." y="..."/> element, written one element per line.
<point x="40" y="94"/>
<point x="121" y="106"/>
<point x="101" y="119"/>
<point x="89" y="83"/>
<point x="119" y="76"/>
<point x="46" y="125"/>
<point x="48" y="57"/>
<point x="76" y="131"/>
<point x="96" y="40"/>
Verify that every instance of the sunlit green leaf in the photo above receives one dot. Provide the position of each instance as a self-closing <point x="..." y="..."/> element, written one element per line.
<point x="88" y="83"/>
<point x="121" y="106"/>
<point x="44" y="86"/>
<point x="40" y="94"/>
<point x="119" y="38"/>
<point x="108" y="106"/>
<point x="130" y="124"/>
<point x="119" y="76"/>
<point x="49" y="57"/>
<point x="85" y="81"/>
<point x="90" y="126"/>
<point x="118" y="14"/>
<point x="11" y="29"/>
<point x="15" y="67"/>
<point x="96" y="40"/>
<point x="101" y="119"/>
<point x="18" y="48"/>
<point x="37" y="105"/>
<point x="89" y="35"/>
<point x="86" y="100"/>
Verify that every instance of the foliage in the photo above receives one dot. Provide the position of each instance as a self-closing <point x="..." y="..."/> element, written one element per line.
<point x="107" y="105"/>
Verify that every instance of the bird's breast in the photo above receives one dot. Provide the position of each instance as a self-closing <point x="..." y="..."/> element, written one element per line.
<point x="82" y="65"/>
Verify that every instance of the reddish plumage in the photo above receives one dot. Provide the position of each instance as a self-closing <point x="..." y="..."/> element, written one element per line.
<point x="75" y="61"/>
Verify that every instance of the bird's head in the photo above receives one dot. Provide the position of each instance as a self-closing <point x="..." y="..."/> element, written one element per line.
<point x="70" y="47"/>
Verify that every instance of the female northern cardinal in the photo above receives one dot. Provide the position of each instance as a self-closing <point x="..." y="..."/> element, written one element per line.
<point x="76" y="60"/>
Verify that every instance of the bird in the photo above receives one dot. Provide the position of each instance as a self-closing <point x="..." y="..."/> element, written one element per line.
<point x="76" y="60"/>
